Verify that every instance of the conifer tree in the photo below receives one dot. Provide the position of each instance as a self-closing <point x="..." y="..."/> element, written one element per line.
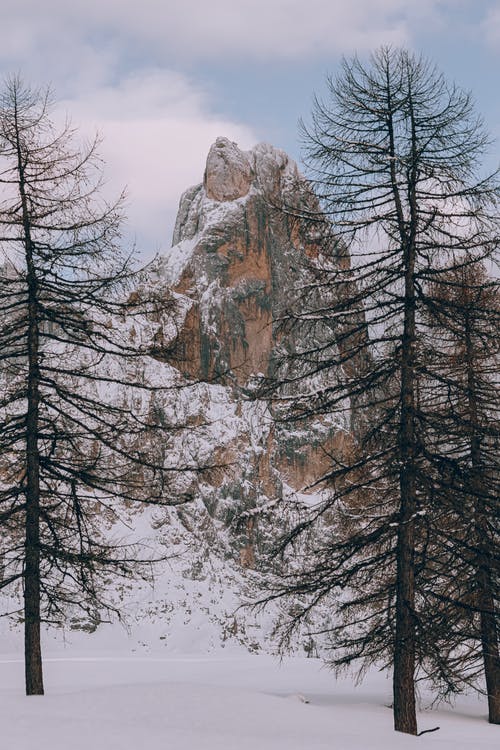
<point x="73" y="448"/>
<point x="394" y="154"/>
<point x="462" y="398"/>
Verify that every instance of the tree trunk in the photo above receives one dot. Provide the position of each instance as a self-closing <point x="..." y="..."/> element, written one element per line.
<point x="486" y="603"/>
<point x="489" y="642"/>
<point x="32" y="646"/>
<point x="404" y="705"/>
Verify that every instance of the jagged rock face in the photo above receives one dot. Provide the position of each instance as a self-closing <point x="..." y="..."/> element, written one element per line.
<point x="229" y="174"/>
<point x="236" y="252"/>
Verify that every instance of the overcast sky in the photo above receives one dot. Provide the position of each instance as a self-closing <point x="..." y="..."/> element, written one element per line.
<point x="161" y="79"/>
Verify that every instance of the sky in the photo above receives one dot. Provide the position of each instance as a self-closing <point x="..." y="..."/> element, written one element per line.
<point x="161" y="79"/>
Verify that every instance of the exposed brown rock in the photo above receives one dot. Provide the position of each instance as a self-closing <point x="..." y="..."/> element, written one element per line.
<point x="236" y="258"/>
<point x="228" y="174"/>
<point x="245" y="256"/>
<point x="185" y="352"/>
<point x="247" y="553"/>
<point x="307" y="462"/>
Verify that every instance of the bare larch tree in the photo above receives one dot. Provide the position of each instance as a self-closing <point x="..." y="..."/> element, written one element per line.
<point x="73" y="444"/>
<point x="460" y="395"/>
<point x="394" y="153"/>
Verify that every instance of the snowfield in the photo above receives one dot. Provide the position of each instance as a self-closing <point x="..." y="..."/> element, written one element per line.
<point x="120" y="701"/>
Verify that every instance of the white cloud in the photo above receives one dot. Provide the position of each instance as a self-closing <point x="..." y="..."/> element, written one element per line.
<point x="216" y="30"/>
<point x="157" y="129"/>
<point x="491" y="28"/>
<point x="113" y="61"/>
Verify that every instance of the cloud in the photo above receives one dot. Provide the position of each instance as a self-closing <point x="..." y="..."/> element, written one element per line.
<point x="157" y="128"/>
<point x="116" y="64"/>
<point x="491" y="28"/>
<point x="221" y="30"/>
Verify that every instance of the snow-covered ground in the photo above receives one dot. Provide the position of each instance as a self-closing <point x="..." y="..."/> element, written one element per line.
<point x="119" y="700"/>
<point x="180" y="678"/>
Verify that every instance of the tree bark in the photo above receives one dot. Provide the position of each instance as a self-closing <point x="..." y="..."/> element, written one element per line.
<point x="404" y="704"/>
<point x="32" y="645"/>
<point x="486" y="603"/>
<point x="404" y="647"/>
<point x="489" y="642"/>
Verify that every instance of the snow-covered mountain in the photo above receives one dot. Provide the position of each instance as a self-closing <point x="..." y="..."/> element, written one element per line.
<point x="240" y="249"/>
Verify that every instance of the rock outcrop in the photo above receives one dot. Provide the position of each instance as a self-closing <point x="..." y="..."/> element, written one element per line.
<point x="240" y="247"/>
<point x="237" y="252"/>
<point x="209" y="330"/>
<point x="229" y="173"/>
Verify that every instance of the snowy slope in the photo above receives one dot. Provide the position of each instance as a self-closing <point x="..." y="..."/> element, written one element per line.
<point x="249" y="703"/>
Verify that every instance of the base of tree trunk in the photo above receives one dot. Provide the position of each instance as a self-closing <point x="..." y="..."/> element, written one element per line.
<point x="494" y="709"/>
<point x="33" y="660"/>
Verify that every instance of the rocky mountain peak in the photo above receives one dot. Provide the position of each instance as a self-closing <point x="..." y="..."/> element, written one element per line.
<point x="236" y="252"/>
<point x="228" y="174"/>
<point x="232" y="175"/>
<point x="240" y="250"/>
